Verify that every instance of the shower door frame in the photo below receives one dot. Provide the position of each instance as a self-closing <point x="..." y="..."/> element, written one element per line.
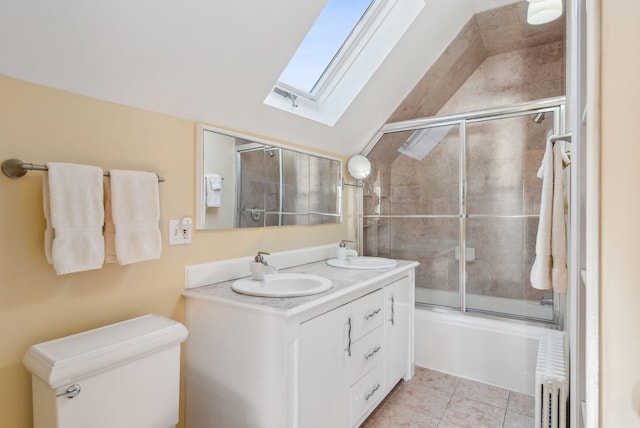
<point x="555" y="106"/>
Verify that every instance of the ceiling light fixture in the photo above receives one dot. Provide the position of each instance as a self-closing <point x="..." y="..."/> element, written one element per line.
<point x="543" y="11"/>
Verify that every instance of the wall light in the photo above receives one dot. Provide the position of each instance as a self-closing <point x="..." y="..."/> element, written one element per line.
<point x="543" y="11"/>
<point x="359" y="167"/>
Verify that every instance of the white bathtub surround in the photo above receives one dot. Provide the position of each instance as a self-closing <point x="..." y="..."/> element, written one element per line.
<point x="312" y="361"/>
<point x="497" y="352"/>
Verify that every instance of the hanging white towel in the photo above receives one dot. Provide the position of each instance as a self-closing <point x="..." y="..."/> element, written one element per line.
<point x="109" y="228"/>
<point x="74" y="211"/>
<point x="558" y="226"/>
<point x="213" y="190"/>
<point x="135" y="209"/>
<point x="549" y="269"/>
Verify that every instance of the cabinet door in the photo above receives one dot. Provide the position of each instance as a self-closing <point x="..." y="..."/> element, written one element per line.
<point x="398" y="331"/>
<point x="324" y="370"/>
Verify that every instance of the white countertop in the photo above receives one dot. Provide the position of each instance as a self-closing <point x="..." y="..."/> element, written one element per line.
<point x="346" y="283"/>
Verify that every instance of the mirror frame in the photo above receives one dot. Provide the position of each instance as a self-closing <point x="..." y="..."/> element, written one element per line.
<point x="199" y="170"/>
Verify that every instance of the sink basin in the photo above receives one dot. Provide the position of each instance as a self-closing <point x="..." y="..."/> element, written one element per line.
<point x="363" y="262"/>
<point x="282" y="285"/>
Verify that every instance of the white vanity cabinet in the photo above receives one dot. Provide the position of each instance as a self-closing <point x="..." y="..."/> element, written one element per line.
<point x="324" y="363"/>
<point x="398" y="328"/>
<point x="341" y="363"/>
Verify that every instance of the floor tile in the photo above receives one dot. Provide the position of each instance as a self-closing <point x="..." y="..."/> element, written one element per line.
<point x="434" y="379"/>
<point x="444" y="424"/>
<point x="393" y="415"/>
<point x="518" y="420"/>
<point x="468" y="413"/>
<point x="484" y="393"/>
<point x="521" y="403"/>
<point x="430" y="401"/>
<point x="437" y="400"/>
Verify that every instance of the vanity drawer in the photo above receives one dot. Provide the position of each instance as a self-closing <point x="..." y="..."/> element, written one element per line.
<point x="366" y="314"/>
<point x="366" y="393"/>
<point x="366" y="353"/>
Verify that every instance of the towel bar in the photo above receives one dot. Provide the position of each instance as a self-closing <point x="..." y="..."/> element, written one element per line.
<point x="15" y="168"/>
<point x="564" y="137"/>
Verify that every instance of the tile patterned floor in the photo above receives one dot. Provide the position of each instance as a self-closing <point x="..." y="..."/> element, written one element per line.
<point x="437" y="400"/>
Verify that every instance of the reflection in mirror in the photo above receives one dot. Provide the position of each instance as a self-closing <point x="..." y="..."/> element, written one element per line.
<point x="262" y="183"/>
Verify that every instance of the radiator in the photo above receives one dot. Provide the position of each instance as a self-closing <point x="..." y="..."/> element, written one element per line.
<point x="551" y="382"/>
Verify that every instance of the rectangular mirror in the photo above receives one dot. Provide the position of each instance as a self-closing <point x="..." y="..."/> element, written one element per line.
<point x="246" y="182"/>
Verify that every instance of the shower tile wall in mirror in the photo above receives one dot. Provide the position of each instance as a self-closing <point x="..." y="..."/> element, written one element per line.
<point x="249" y="182"/>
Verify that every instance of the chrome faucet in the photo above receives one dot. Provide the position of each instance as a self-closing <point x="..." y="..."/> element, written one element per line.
<point x="260" y="259"/>
<point x="343" y="243"/>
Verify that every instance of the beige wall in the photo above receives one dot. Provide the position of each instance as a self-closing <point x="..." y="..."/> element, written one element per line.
<point x="39" y="124"/>
<point x="620" y="215"/>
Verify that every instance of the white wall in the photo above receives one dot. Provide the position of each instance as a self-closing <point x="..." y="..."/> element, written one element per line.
<point x="620" y="214"/>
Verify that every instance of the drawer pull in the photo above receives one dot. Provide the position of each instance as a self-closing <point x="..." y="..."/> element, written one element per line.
<point x="372" y="314"/>
<point x="349" y="336"/>
<point x="372" y="353"/>
<point x="393" y="311"/>
<point x="373" y="391"/>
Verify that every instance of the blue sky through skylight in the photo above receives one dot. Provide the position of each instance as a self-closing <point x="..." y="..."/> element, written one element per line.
<point x="322" y="43"/>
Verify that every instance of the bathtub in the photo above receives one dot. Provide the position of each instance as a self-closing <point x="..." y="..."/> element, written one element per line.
<point x="494" y="351"/>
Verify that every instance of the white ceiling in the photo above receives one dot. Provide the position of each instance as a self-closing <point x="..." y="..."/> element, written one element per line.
<point x="210" y="61"/>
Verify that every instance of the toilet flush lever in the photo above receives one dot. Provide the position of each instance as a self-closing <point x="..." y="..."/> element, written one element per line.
<point x="71" y="392"/>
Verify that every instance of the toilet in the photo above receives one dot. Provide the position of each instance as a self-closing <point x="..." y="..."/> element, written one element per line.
<point x="124" y="375"/>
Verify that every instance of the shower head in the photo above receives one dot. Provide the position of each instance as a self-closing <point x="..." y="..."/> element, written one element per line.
<point x="271" y="153"/>
<point x="538" y="118"/>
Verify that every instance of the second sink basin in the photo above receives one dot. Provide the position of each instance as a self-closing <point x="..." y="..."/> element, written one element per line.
<point x="282" y="285"/>
<point x="363" y="262"/>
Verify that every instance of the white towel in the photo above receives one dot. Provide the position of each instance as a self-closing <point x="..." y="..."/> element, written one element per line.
<point x="549" y="269"/>
<point x="109" y="228"/>
<point x="213" y="190"/>
<point x="135" y="209"/>
<point x="73" y="209"/>
<point x="558" y="226"/>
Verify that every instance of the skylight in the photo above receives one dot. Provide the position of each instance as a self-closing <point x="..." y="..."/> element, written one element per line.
<point x="348" y="42"/>
<point x="325" y="39"/>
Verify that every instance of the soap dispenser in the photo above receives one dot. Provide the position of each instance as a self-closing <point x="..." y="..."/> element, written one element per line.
<point x="344" y="251"/>
<point x="259" y="267"/>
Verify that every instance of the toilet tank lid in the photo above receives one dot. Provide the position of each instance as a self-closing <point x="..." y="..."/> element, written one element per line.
<point x="65" y="360"/>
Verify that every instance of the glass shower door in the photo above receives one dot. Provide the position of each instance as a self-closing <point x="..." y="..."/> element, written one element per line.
<point x="502" y="204"/>
<point x="461" y="196"/>
<point x="411" y="208"/>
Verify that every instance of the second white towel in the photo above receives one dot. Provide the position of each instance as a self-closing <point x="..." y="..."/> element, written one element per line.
<point x="135" y="210"/>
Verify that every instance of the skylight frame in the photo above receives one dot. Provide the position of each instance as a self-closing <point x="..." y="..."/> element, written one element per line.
<point x="358" y="37"/>
<point x="380" y="29"/>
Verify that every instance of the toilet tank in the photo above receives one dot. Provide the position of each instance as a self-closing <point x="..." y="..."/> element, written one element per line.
<point x="127" y="375"/>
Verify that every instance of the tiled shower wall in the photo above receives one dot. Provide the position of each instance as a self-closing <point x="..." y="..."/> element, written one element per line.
<point x="503" y="157"/>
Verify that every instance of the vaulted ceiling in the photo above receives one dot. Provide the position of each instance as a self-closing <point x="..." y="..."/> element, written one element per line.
<point x="215" y="61"/>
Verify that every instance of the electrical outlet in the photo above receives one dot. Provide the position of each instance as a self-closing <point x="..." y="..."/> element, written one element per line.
<point x="180" y="231"/>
